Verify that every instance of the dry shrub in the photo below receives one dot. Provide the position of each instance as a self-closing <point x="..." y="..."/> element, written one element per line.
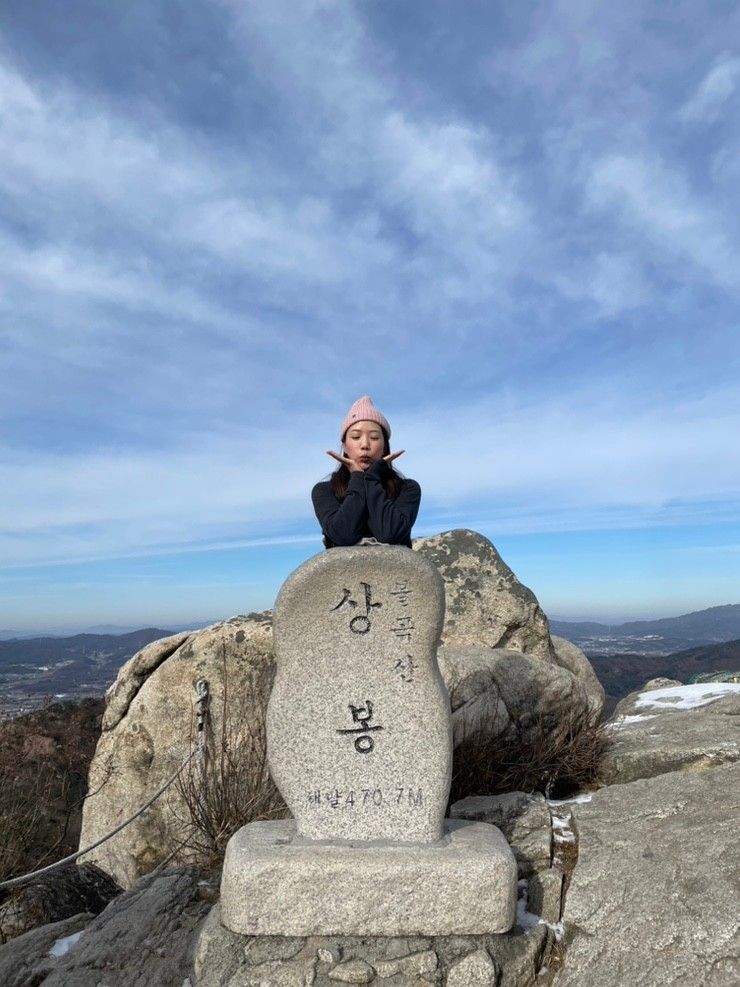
<point x="26" y="832"/>
<point x="44" y="760"/>
<point x="225" y="789"/>
<point x="550" y="755"/>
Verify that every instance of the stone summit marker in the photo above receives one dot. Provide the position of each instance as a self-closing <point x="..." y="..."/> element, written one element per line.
<point x="359" y="742"/>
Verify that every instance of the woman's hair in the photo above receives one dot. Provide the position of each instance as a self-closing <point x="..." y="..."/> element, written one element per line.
<point x="392" y="483"/>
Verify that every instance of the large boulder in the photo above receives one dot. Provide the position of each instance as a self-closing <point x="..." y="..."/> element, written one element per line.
<point x="570" y="656"/>
<point x="150" y="728"/>
<point x="668" y="726"/>
<point x="486" y="605"/>
<point x="653" y="899"/>
<point x="491" y="689"/>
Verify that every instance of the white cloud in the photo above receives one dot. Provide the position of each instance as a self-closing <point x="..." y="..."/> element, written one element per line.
<point x="564" y="463"/>
<point x="181" y="291"/>
<point x="176" y="219"/>
<point x="70" y="270"/>
<point x="715" y="89"/>
<point x="446" y="180"/>
<point x="614" y="280"/>
<point x="656" y="201"/>
<point x="442" y="178"/>
<point x="56" y="139"/>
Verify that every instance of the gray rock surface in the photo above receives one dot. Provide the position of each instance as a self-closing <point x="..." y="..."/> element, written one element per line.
<point x="545" y="894"/>
<point x="522" y="955"/>
<point x="134" y="674"/>
<point x="298" y="973"/>
<point x="352" y="972"/>
<point x="653" y="735"/>
<point x="655" y="895"/>
<point x="142" y="939"/>
<point x="141" y="931"/>
<point x="570" y="656"/>
<point x="25" y="961"/>
<point x="465" y="883"/>
<point x="228" y="959"/>
<point x="626" y="705"/>
<point x="474" y="970"/>
<point x="222" y="956"/>
<point x="358" y="695"/>
<point x="414" y="964"/>
<point x="523" y="818"/>
<point x="219" y="953"/>
<point x="487" y="606"/>
<point x="477" y="704"/>
<point x="527" y="822"/>
<point x="493" y="688"/>
<point x="149" y="728"/>
<point x="51" y="897"/>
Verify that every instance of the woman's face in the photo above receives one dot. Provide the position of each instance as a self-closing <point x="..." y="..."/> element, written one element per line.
<point x="365" y="443"/>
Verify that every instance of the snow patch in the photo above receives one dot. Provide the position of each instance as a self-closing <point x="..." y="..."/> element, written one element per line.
<point x="686" y="696"/>
<point x="578" y="799"/>
<point x="566" y="835"/>
<point x="63" y="945"/>
<point x="628" y="720"/>
<point x="561" y="829"/>
<point x="527" y="920"/>
<point x="557" y="927"/>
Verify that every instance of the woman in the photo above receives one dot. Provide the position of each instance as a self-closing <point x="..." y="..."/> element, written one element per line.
<point x="366" y="497"/>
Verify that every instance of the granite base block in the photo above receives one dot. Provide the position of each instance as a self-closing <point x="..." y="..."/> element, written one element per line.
<point x="274" y="883"/>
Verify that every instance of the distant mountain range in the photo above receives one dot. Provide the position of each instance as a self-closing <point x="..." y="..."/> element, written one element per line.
<point x="23" y="651"/>
<point x="624" y="656"/>
<point x="107" y="629"/>
<point x="653" y="637"/>
<point x="64" y="667"/>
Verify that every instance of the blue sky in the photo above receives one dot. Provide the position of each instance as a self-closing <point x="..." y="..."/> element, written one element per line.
<point x="514" y="225"/>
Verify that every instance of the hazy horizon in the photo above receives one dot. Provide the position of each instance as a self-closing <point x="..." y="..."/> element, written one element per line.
<point x="183" y="623"/>
<point x="515" y="226"/>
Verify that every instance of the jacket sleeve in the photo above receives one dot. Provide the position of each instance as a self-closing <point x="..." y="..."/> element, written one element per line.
<point x="342" y="523"/>
<point x="390" y="520"/>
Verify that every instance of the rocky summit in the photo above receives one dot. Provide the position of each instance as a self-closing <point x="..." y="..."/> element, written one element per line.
<point x="149" y="726"/>
<point x="634" y="880"/>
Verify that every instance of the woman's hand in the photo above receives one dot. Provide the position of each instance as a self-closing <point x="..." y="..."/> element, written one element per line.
<point x="354" y="467"/>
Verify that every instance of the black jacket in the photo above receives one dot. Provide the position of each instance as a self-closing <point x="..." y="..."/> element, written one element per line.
<point x="366" y="511"/>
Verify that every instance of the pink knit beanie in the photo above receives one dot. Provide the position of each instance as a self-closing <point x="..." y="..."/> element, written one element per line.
<point x="363" y="410"/>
